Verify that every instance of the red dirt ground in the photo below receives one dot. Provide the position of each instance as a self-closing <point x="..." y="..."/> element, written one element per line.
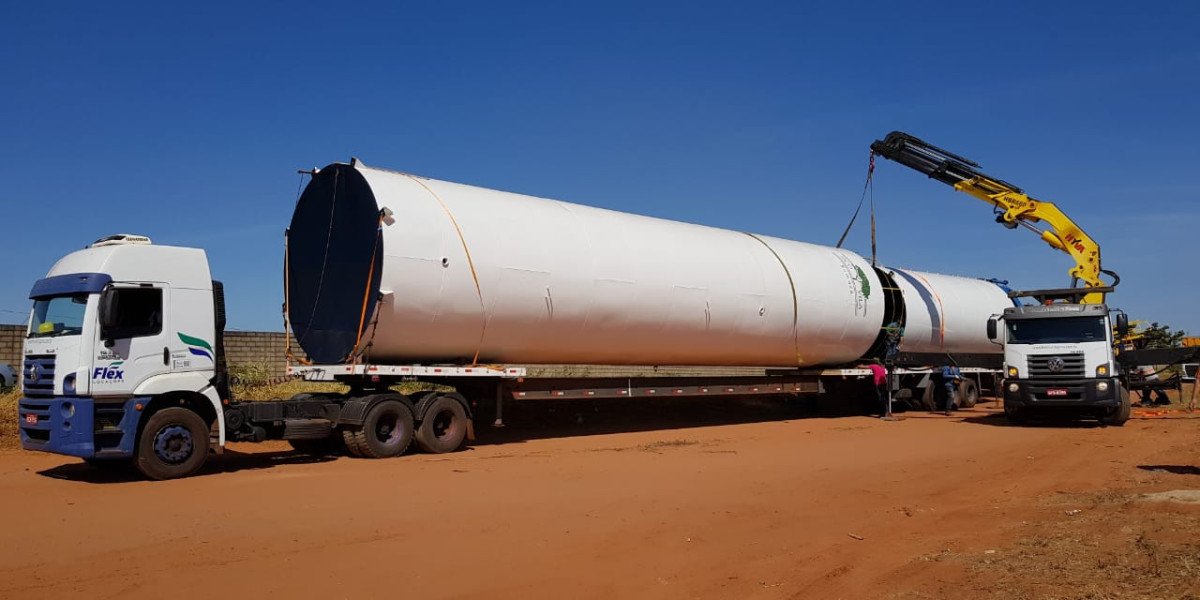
<point x="850" y="507"/>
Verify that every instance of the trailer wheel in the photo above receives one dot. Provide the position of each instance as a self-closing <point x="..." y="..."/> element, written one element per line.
<point x="929" y="397"/>
<point x="968" y="393"/>
<point x="387" y="430"/>
<point x="1119" y="415"/>
<point x="444" y="427"/>
<point x="174" y="443"/>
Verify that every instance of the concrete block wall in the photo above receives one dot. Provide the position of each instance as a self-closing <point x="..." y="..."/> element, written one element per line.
<point x="11" y="338"/>
<point x="255" y="348"/>
<point x="249" y="348"/>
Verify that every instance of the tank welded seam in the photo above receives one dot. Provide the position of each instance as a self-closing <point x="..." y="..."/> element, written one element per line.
<point x="795" y="300"/>
<point x="591" y="255"/>
<point x="470" y="264"/>
<point x="941" y="321"/>
<point x="926" y="295"/>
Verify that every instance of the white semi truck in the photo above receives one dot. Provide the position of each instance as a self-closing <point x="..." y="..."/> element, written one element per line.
<point x="391" y="277"/>
<point x="1059" y="358"/>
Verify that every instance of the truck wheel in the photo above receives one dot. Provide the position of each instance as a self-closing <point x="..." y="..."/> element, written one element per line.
<point x="444" y="427"/>
<point x="929" y="397"/>
<point x="1015" y="414"/>
<point x="387" y="430"/>
<point x="174" y="443"/>
<point x="968" y="394"/>
<point x="350" y="439"/>
<point x="1119" y="415"/>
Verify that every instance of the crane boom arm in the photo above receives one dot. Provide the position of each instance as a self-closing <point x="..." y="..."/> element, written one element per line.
<point x="1013" y="206"/>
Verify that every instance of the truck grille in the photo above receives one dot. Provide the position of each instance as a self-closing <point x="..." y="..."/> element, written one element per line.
<point x="1056" y="366"/>
<point x="38" y="375"/>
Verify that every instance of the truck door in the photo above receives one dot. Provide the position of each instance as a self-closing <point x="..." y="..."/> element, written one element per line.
<point x="133" y="338"/>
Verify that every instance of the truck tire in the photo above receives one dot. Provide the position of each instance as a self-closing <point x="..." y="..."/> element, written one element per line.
<point x="444" y="427"/>
<point x="350" y="439"/>
<point x="968" y="393"/>
<point x="1015" y="414"/>
<point x="1119" y="415"/>
<point x="173" y="444"/>
<point x="929" y="397"/>
<point x="387" y="430"/>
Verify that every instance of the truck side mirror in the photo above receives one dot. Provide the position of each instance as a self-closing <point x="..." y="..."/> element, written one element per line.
<point x="1122" y="324"/>
<point x="991" y="329"/>
<point x="108" y="316"/>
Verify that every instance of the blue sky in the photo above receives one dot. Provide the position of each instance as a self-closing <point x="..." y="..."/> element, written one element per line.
<point x="188" y="124"/>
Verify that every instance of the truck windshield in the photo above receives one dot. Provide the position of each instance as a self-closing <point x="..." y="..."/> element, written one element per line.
<point x="60" y="315"/>
<point x="1050" y="331"/>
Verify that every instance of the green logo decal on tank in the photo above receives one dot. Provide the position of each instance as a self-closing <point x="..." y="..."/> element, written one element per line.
<point x="863" y="282"/>
<point x="857" y="284"/>
<point x="197" y="346"/>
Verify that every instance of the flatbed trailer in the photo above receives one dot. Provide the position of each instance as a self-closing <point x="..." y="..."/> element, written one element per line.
<point x="498" y="384"/>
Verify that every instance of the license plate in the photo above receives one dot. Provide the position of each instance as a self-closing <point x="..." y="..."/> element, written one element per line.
<point x="31" y="419"/>
<point x="1059" y="392"/>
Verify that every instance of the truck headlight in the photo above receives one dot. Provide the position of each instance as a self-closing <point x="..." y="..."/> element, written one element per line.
<point x="1102" y="386"/>
<point x="1012" y="371"/>
<point x="1013" y="387"/>
<point x="1102" y="371"/>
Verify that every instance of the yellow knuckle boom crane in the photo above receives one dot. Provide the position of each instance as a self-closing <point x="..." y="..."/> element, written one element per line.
<point x="1013" y="208"/>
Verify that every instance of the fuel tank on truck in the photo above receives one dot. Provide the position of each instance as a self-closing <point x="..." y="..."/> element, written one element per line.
<point x="388" y="267"/>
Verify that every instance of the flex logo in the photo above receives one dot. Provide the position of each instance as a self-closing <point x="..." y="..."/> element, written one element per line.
<point x="197" y="346"/>
<point x="112" y="372"/>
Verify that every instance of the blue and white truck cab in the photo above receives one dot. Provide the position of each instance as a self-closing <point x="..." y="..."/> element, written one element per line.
<point x="124" y="339"/>
<point x="1059" y="357"/>
<point x="125" y="363"/>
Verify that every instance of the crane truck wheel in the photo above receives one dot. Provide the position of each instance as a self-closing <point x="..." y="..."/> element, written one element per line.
<point x="174" y="443"/>
<point x="968" y="394"/>
<point x="387" y="430"/>
<point x="1015" y="415"/>
<point x="444" y="427"/>
<point x="1119" y="415"/>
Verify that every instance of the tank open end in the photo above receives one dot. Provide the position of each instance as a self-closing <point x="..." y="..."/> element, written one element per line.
<point x="335" y="254"/>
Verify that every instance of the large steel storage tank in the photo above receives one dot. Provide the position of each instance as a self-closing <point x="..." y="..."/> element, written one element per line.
<point x="391" y="267"/>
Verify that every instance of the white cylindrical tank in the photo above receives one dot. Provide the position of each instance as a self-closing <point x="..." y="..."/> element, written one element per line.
<point x="948" y="314"/>
<point x="391" y="267"/>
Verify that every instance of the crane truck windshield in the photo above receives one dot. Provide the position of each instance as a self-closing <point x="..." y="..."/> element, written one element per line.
<point x="58" y="315"/>
<point x="1061" y="330"/>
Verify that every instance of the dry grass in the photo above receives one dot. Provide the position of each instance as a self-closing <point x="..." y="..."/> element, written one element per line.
<point x="1115" y="546"/>
<point x="8" y="417"/>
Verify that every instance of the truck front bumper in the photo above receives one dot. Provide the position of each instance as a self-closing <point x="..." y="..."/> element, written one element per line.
<point x="78" y="426"/>
<point x="1081" y="393"/>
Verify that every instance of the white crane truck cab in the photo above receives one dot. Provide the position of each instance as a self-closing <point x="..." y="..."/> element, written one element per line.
<point x="123" y="342"/>
<point x="1059" y="357"/>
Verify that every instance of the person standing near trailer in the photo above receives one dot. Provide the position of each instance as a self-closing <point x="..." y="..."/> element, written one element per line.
<point x="950" y="377"/>
<point x="879" y="374"/>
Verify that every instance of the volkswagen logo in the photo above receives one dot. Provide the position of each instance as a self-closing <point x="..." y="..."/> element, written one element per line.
<point x="1055" y="364"/>
<point x="35" y="370"/>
